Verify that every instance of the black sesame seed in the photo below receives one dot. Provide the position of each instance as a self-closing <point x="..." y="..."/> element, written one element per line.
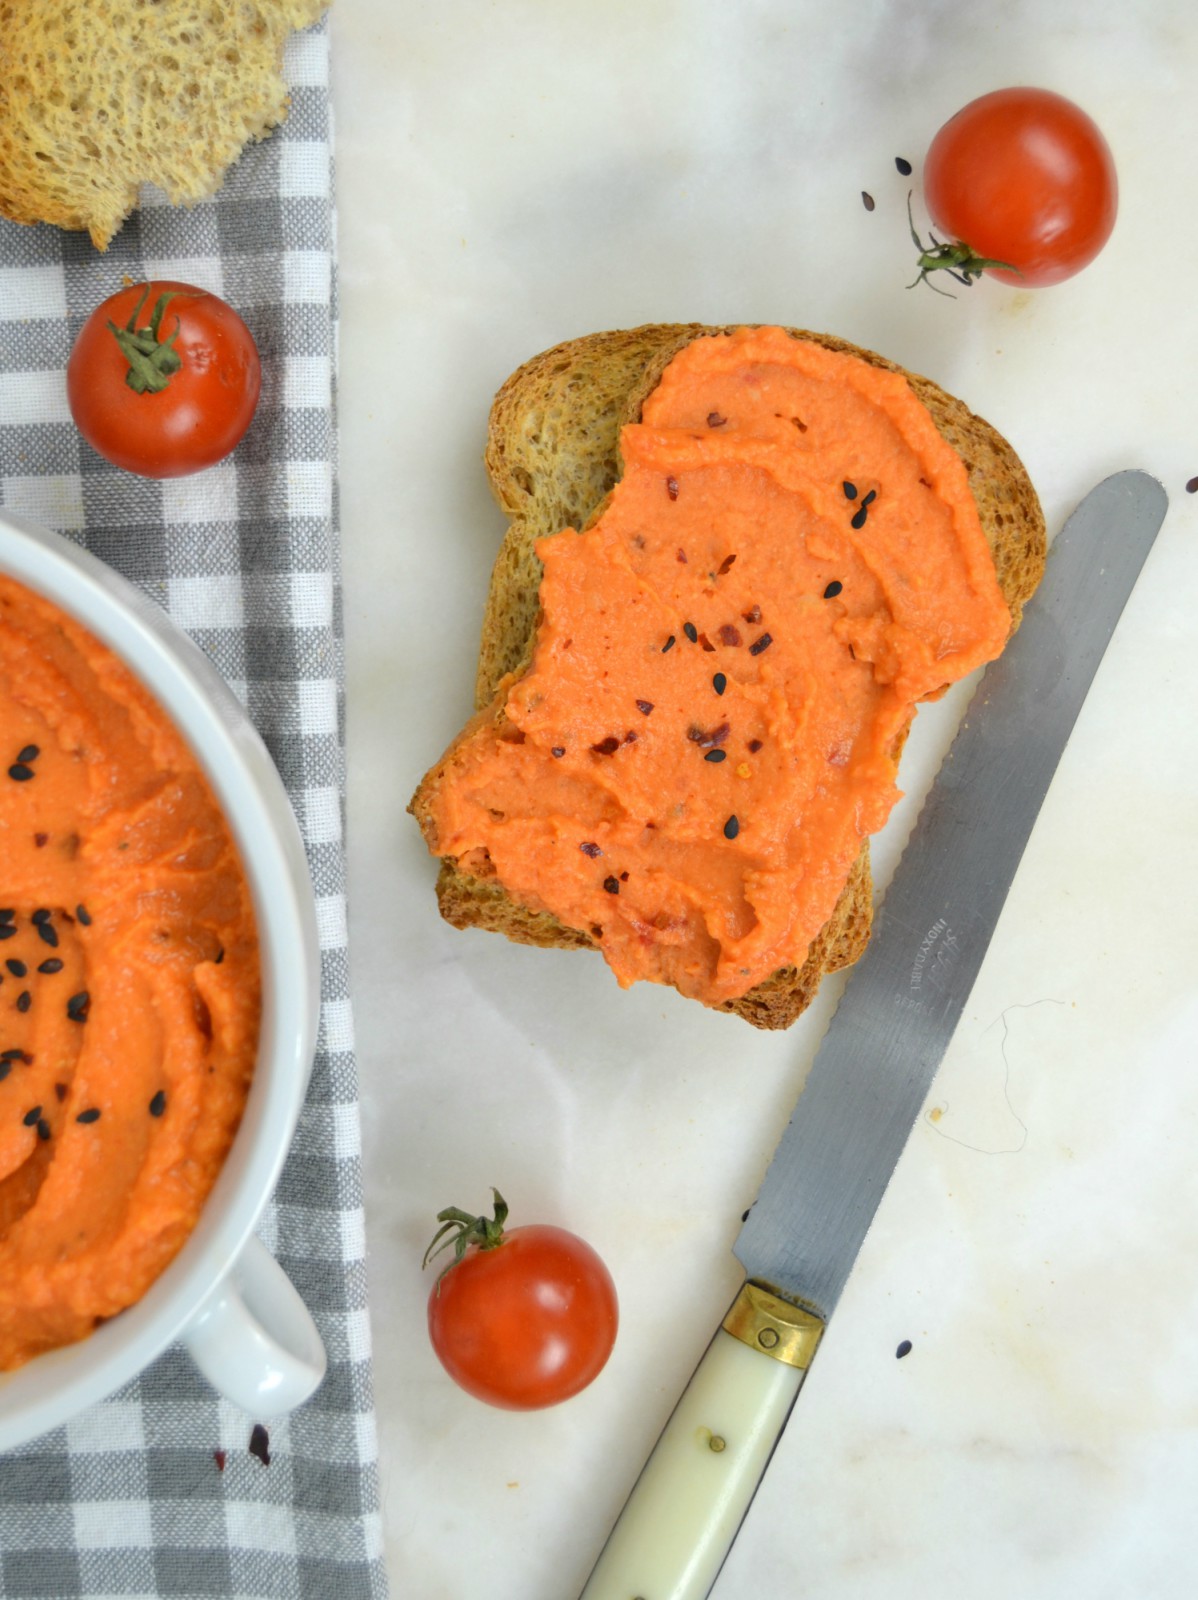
<point x="43" y="1128"/>
<point x="719" y="683"/>
<point x="7" y="914"/>
<point x="716" y="755"/>
<point x="51" y="964"/>
<point x="260" y="1444"/>
<point x="219" y="957"/>
<point x="761" y="644"/>
<point x="669" y="644"/>
<point x="850" y="490"/>
<point x="7" y="931"/>
<point x="30" y="753"/>
<point x="48" y="934"/>
<point x="870" y="498"/>
<point x="40" y="916"/>
<point x="557" y="752"/>
<point x="590" y="849"/>
<point x="24" y="1000"/>
<point x="867" y="200"/>
<point x="77" y="1006"/>
<point x="612" y="885"/>
<point x="859" y="518"/>
<point x="13" y="1054"/>
<point x="904" y="1349"/>
<point x="91" y="1115"/>
<point x="5" y="1069"/>
<point x="158" y="1103"/>
<point x="31" y="1116"/>
<point x="731" y="828"/>
<point x="833" y="589"/>
<point x="903" y="165"/>
<point x="691" y="632"/>
<point x="17" y="968"/>
<point x="82" y="913"/>
<point x="19" y="773"/>
<point x="644" y="707"/>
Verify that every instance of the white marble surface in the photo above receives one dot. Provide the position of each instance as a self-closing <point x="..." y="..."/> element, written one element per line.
<point x="511" y="175"/>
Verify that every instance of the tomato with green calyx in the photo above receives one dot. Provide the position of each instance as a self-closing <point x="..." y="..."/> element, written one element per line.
<point x="1024" y="184"/>
<point x="163" y="379"/>
<point x="522" y="1317"/>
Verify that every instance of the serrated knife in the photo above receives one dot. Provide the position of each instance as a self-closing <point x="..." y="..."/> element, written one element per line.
<point x="872" y="1073"/>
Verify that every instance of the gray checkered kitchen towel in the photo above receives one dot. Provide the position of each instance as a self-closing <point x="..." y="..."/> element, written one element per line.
<point x="129" y="1498"/>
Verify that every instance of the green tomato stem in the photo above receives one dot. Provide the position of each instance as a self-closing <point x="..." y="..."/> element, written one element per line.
<point x="152" y="360"/>
<point x="461" y="1230"/>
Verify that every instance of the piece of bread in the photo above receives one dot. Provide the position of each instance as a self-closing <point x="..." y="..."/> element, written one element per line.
<point x="100" y="96"/>
<point x="552" y="458"/>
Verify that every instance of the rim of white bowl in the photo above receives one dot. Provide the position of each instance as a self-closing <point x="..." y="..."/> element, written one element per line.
<point x="56" y="1386"/>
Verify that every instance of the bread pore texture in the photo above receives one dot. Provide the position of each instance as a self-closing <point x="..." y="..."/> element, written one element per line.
<point x="98" y="97"/>
<point x="736" y="560"/>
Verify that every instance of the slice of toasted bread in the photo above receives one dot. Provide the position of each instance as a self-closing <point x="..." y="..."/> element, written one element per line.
<point x="100" y="96"/>
<point x="553" y="457"/>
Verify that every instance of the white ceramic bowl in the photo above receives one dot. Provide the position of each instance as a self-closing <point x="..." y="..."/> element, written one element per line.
<point x="223" y="1295"/>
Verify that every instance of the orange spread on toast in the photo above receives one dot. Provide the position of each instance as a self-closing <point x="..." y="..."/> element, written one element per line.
<point x="726" y="660"/>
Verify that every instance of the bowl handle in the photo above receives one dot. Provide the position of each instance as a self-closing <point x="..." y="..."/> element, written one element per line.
<point x="254" y="1340"/>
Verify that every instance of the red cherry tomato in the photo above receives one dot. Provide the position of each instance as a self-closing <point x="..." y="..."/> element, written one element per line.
<point x="163" y="379"/>
<point x="524" y="1318"/>
<point x="1023" y="177"/>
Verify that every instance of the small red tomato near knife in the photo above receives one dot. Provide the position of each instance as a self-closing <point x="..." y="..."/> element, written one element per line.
<point x="522" y="1317"/>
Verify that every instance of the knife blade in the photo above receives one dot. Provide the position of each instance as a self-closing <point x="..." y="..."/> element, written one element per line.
<point x="876" y="1064"/>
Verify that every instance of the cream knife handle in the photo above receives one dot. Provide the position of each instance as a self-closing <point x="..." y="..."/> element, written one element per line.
<point x="685" y="1509"/>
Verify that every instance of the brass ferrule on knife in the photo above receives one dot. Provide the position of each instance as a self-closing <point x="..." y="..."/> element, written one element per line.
<point x="773" y="1326"/>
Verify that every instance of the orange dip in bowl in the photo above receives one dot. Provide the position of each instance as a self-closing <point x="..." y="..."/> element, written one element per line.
<point x="130" y="988"/>
<point x="726" y="661"/>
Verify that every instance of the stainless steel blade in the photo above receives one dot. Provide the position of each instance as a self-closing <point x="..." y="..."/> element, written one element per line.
<point x="873" y="1071"/>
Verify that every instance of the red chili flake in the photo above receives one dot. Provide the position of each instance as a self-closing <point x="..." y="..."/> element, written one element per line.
<point x="672" y="488"/>
<point x="867" y="200"/>
<point x="1192" y="486"/>
<point x="724" y="565"/>
<point x="60" y="1092"/>
<point x="220" y="1458"/>
<point x="630" y="737"/>
<point x="606" y="747"/>
<point x="612" y="885"/>
<point x="706" y="642"/>
<point x="729" y="635"/>
<point x="681" y="556"/>
<point x="714" y="420"/>
<point x="754" y="746"/>
<point x="761" y="644"/>
<point x="260" y="1444"/>
<point x="623" y="877"/>
<point x="590" y="849"/>
<point x="41" y="840"/>
<point x="706" y="740"/>
<point x="644" y="707"/>
<point x="799" y="424"/>
<point x="557" y="752"/>
<point x="752" y="615"/>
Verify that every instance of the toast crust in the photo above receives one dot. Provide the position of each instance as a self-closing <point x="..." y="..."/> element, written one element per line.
<point x="552" y="458"/>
